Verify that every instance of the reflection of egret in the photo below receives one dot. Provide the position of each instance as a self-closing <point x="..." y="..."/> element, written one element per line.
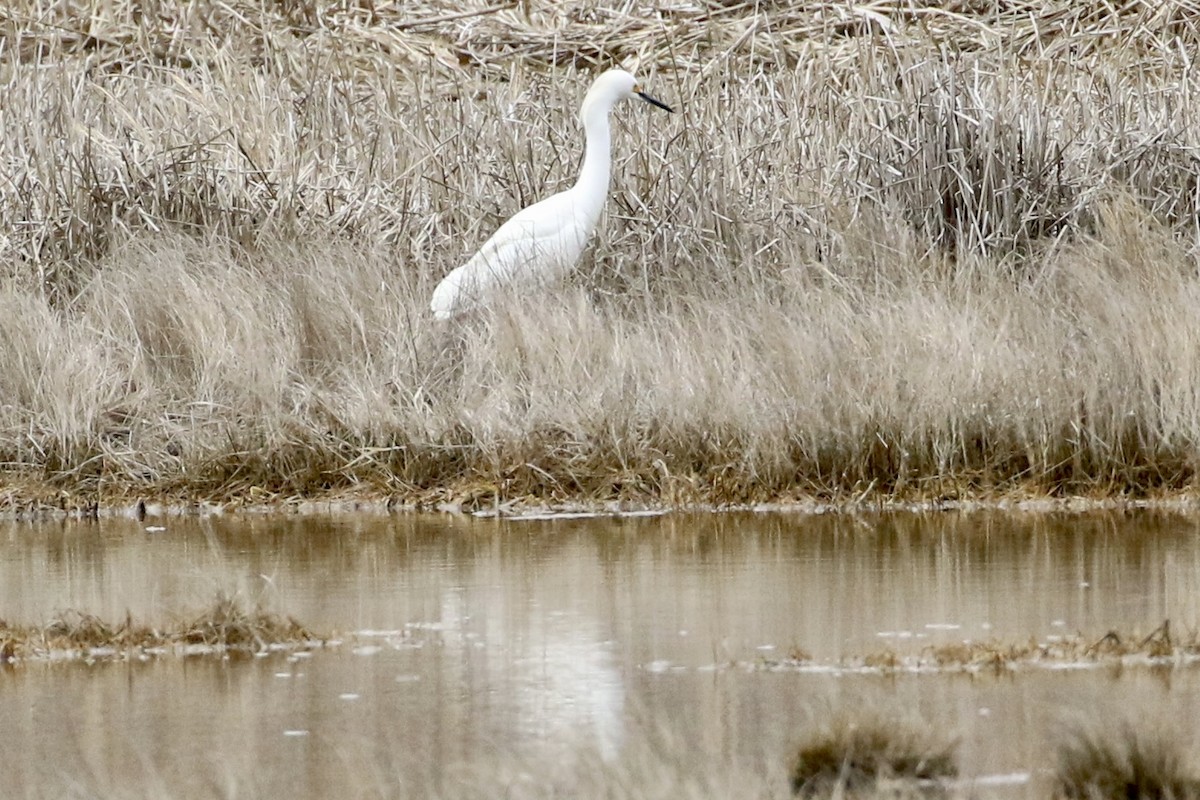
<point x="568" y="686"/>
<point x="556" y="680"/>
<point x="540" y="243"/>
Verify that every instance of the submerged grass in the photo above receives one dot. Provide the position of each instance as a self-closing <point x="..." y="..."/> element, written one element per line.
<point x="228" y="625"/>
<point x="910" y="253"/>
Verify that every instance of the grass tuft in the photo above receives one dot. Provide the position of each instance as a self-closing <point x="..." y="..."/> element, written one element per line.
<point x="226" y="626"/>
<point x="1159" y="648"/>
<point x="856" y="755"/>
<point x="1126" y="763"/>
<point x="229" y="625"/>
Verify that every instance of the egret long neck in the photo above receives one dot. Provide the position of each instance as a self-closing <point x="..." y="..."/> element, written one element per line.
<point x="592" y="185"/>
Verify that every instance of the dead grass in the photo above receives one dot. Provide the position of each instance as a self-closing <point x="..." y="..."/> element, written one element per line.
<point x="861" y="755"/>
<point x="1142" y="762"/>
<point x="1159" y="647"/>
<point x="911" y="251"/>
<point x="227" y="626"/>
<point x="487" y="36"/>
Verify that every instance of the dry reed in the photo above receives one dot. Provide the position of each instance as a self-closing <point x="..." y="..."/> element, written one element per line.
<point x="1158" y="647"/>
<point x="226" y="626"/>
<point x="1101" y="761"/>
<point x="910" y="250"/>
<point x="857" y="754"/>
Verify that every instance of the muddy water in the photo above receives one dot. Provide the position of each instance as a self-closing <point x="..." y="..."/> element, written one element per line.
<point x="563" y="657"/>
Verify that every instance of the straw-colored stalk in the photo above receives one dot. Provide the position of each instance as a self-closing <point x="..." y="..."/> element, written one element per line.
<point x="870" y="263"/>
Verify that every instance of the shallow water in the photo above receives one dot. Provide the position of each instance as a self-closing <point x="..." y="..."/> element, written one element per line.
<point x="486" y="656"/>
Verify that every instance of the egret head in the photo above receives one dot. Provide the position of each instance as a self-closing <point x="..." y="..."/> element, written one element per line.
<point x="616" y="85"/>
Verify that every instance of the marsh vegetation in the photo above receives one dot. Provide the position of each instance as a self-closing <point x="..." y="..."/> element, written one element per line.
<point x="858" y="754"/>
<point x="228" y="625"/>
<point x="1117" y="759"/>
<point x="926" y="251"/>
<point x="994" y="655"/>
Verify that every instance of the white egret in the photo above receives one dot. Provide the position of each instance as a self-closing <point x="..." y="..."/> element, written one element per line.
<point x="541" y="243"/>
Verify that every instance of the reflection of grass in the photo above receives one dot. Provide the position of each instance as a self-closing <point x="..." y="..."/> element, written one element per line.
<point x="855" y="754"/>
<point x="227" y="625"/>
<point x="891" y="273"/>
<point x="1125" y="763"/>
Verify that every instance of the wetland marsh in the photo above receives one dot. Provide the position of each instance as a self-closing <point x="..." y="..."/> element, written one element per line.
<point x="909" y="253"/>
<point x="935" y="255"/>
<point x="475" y="657"/>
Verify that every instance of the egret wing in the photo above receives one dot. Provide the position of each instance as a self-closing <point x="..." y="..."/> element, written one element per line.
<point x="536" y="245"/>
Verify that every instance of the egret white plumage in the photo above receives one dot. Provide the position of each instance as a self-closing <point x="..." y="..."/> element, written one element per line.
<point x="541" y="243"/>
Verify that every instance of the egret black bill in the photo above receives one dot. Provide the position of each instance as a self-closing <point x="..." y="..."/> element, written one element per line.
<point x="652" y="101"/>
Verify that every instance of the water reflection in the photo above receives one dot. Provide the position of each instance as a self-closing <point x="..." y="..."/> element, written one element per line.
<point x="552" y="647"/>
<point x="689" y="589"/>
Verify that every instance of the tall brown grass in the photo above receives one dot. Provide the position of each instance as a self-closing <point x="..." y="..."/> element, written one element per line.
<point x="920" y="254"/>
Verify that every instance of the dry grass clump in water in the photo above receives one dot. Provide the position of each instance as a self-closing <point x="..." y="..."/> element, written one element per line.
<point x="921" y="255"/>
<point x="1159" y="645"/>
<point x="227" y="626"/>
<point x="1130" y="762"/>
<point x="862" y="755"/>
